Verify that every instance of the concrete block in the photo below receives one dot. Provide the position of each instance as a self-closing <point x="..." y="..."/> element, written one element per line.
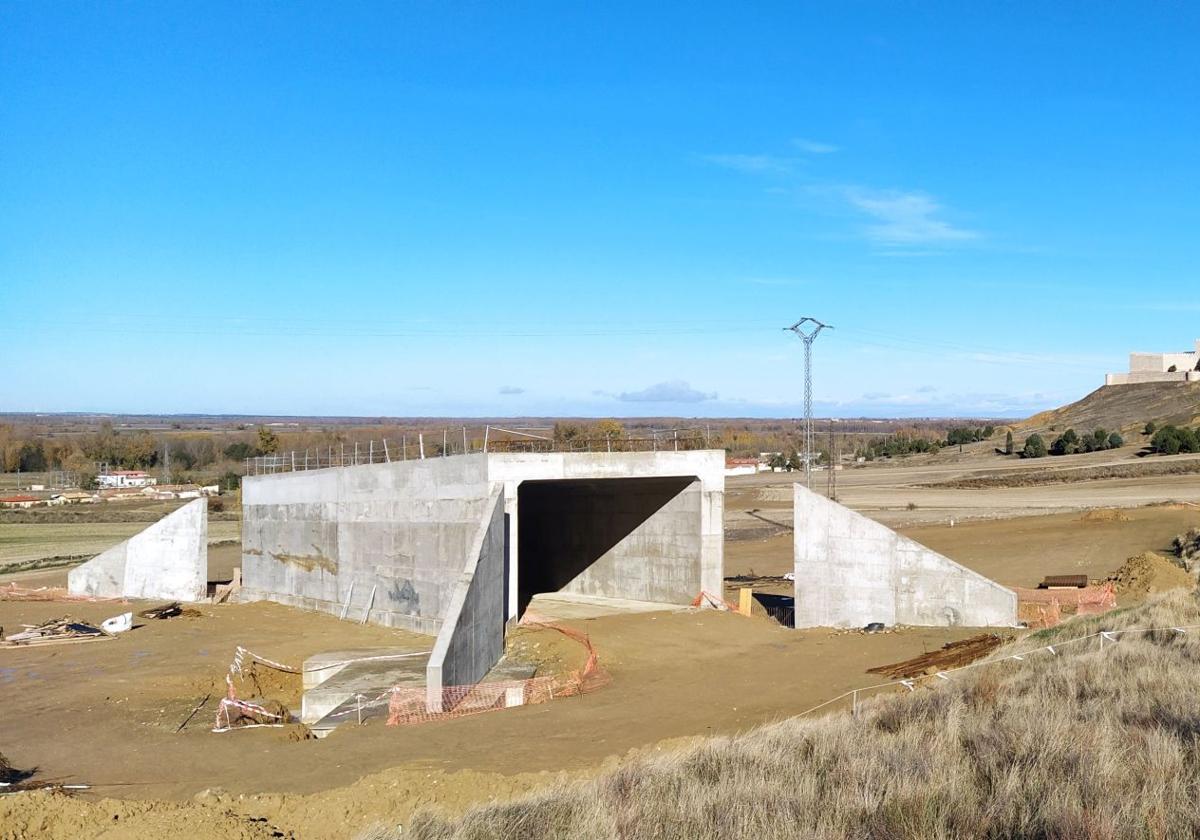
<point x="851" y="571"/>
<point x="166" y="561"/>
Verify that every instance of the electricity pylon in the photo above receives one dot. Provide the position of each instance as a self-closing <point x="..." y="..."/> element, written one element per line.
<point x="809" y="433"/>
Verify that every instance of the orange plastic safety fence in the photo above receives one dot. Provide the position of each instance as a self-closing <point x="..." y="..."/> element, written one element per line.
<point x="1044" y="607"/>
<point x="12" y="592"/>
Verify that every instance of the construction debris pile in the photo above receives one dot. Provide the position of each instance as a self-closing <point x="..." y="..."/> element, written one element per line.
<point x="170" y="610"/>
<point x="951" y="655"/>
<point x="54" y="632"/>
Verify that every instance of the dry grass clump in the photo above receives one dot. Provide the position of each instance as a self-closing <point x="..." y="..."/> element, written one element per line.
<point x="1085" y="744"/>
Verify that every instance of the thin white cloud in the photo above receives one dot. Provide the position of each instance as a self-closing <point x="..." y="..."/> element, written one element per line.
<point x="511" y="390"/>
<point x="750" y="163"/>
<point x="905" y="218"/>
<point x="813" y="147"/>
<point x="675" y="391"/>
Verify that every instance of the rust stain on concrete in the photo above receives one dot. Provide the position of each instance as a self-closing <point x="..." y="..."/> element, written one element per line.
<point x="308" y="562"/>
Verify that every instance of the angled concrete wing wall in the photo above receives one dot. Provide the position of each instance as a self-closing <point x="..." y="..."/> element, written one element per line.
<point x="168" y="561"/>
<point x="851" y="571"/>
<point x="326" y="539"/>
<point x="471" y="640"/>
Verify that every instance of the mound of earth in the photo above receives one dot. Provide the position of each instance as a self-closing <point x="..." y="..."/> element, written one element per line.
<point x="55" y="816"/>
<point x="1148" y="573"/>
<point x="1124" y="407"/>
<point x="1104" y="515"/>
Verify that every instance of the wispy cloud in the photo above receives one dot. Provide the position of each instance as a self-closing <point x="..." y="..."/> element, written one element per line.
<point x="511" y="390"/>
<point x="675" y="391"/>
<point x="813" y="147"/>
<point x="750" y="163"/>
<point x="905" y="218"/>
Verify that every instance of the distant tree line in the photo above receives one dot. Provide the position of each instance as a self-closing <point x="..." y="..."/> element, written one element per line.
<point x="1070" y="443"/>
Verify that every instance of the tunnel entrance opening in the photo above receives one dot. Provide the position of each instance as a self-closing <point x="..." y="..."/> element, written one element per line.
<point x="633" y="538"/>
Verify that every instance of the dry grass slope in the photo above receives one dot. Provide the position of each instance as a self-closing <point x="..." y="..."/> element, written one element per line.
<point x="1085" y="744"/>
<point x="1123" y="407"/>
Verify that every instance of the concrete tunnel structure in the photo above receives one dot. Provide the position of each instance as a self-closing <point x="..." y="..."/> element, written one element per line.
<point x="455" y="547"/>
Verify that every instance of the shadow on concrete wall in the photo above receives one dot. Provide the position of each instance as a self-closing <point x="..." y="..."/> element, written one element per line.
<point x="566" y="526"/>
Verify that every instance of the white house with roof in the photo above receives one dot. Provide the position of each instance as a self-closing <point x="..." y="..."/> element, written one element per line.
<point x="120" y="479"/>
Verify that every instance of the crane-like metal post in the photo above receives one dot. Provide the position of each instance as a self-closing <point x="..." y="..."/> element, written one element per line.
<point x="808" y="335"/>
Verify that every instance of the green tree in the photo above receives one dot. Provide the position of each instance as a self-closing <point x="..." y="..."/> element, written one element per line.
<point x="1115" y="441"/>
<point x="1008" y="443"/>
<point x="240" y="451"/>
<point x="1065" y="444"/>
<point x="1035" y="447"/>
<point x="268" y="441"/>
<point x="1149" y="428"/>
<point x="565" y="431"/>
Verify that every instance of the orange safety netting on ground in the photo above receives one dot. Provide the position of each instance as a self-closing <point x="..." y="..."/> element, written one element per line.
<point x="12" y="592"/>
<point x="409" y="705"/>
<point x="1046" y="607"/>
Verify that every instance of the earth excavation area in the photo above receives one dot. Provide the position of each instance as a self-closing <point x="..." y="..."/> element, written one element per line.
<point x="132" y="716"/>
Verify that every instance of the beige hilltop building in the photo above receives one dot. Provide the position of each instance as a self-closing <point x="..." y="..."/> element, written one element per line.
<point x="1159" y="367"/>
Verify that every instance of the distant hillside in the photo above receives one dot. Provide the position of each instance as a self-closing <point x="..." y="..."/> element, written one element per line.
<point x="1124" y="407"/>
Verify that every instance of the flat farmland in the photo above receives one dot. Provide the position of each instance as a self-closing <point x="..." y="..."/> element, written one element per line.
<point x="26" y="542"/>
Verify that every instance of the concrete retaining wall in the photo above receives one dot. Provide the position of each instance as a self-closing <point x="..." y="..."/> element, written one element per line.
<point x="471" y="640"/>
<point x="652" y="524"/>
<point x="321" y="538"/>
<point x="851" y="571"/>
<point x="166" y="561"/>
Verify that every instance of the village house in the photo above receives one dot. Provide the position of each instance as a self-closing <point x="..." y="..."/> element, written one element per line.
<point x="120" y="479"/>
<point x="20" y="502"/>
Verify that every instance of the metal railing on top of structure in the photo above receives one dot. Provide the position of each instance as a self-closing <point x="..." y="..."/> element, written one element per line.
<point x="442" y="444"/>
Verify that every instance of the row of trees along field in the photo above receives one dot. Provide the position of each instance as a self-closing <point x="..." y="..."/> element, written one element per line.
<point x="910" y="441"/>
<point x="1068" y="443"/>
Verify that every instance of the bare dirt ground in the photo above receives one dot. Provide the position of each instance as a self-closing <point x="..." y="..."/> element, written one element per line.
<point x="105" y="713"/>
<point x="907" y="492"/>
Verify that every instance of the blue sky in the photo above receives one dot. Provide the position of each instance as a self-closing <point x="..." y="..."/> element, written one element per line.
<point x="496" y="209"/>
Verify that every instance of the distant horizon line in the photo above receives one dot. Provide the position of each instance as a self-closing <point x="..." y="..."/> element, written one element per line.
<point x="376" y="419"/>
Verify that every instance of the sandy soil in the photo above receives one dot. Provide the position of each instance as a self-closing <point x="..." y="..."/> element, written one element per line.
<point x="105" y="713"/>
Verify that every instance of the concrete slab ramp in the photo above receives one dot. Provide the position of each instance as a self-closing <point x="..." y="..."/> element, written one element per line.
<point x="851" y="571"/>
<point x="166" y="561"/>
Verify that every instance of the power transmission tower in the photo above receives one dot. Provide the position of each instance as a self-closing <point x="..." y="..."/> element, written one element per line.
<point x="809" y="433"/>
